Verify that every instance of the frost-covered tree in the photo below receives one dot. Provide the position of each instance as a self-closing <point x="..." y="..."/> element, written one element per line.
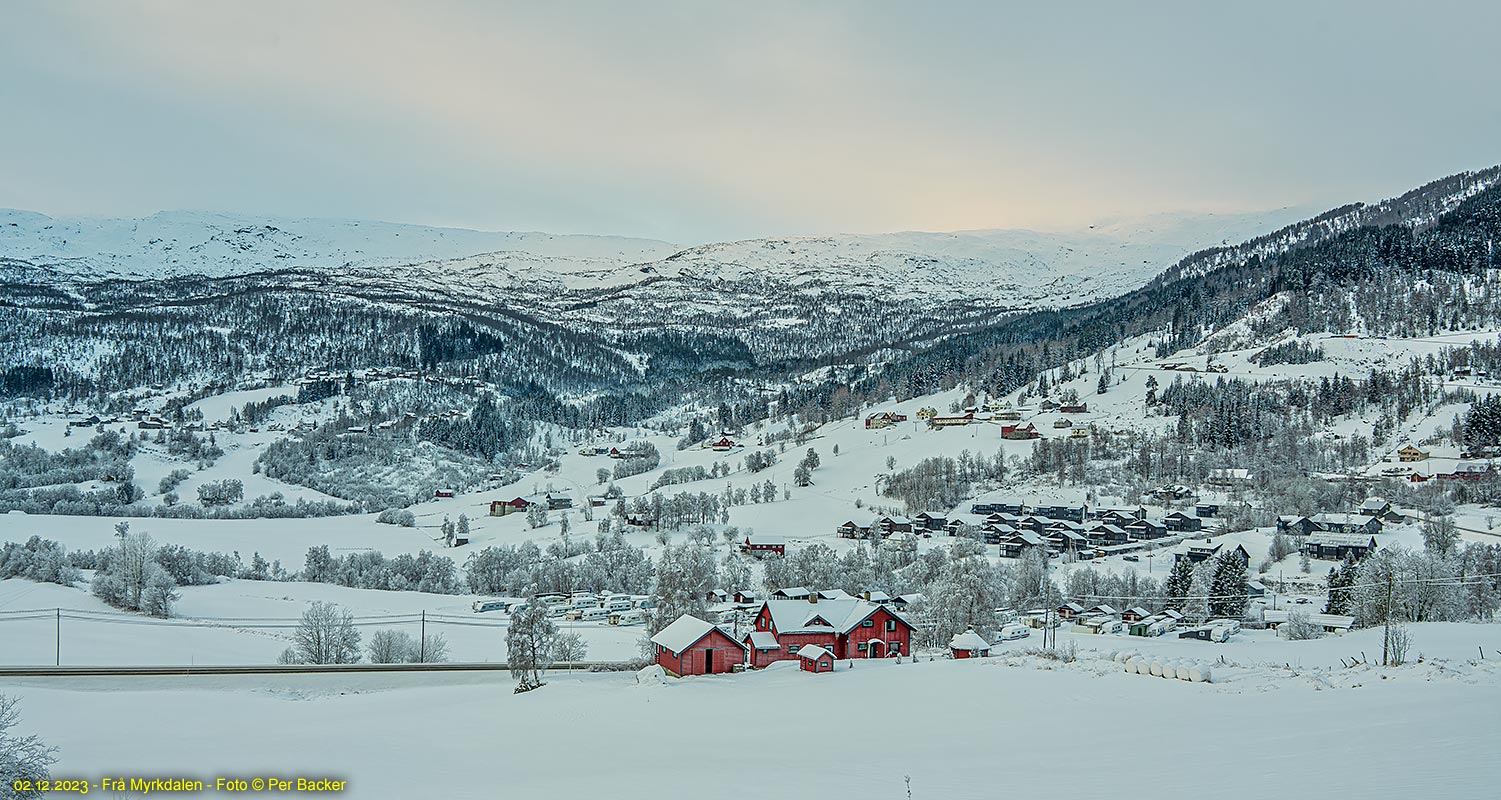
<point x="965" y="598"/>
<point x="389" y="647"/>
<point x="398" y="647"/>
<point x="39" y="560"/>
<point x="326" y="635"/>
<point x="529" y="645"/>
<point x="685" y="576"/>
<point x="536" y="515"/>
<point x="22" y="758"/>
<point x="1440" y="536"/>
<point x="447" y="530"/>
<point x="570" y="647"/>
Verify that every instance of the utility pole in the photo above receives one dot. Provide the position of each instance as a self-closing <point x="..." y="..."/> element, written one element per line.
<point x="1386" y="639"/>
<point x="59" y="654"/>
<point x="422" y="646"/>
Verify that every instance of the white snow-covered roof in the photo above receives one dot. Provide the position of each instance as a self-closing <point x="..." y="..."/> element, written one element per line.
<point x="766" y="540"/>
<point x="763" y="640"/>
<point x="684" y="632"/>
<point x="797" y="616"/>
<point x="812" y="652"/>
<point x="1374" y="503"/>
<point x="1339" y="539"/>
<point x="794" y="592"/>
<point x="969" y="640"/>
<point x="1341" y="518"/>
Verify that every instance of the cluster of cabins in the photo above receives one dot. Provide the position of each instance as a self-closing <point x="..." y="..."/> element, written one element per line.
<point x="552" y="501"/>
<point x="1339" y="535"/>
<point x="816" y="629"/>
<point x="1016" y="527"/>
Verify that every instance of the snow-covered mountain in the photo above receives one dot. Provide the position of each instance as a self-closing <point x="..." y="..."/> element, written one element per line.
<point x="174" y="243"/>
<point x="1020" y="267"/>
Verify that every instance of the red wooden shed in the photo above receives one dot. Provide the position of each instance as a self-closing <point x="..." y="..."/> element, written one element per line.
<point x="969" y="645"/>
<point x="691" y="646"/>
<point x="812" y="658"/>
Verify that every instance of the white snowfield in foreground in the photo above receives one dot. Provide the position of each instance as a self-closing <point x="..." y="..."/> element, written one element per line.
<point x="1010" y="726"/>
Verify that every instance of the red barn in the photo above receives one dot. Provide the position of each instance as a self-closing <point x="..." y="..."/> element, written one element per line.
<point x="815" y="659"/>
<point x="1028" y="431"/>
<point x="442" y="493"/>
<point x="691" y="646"/>
<point x="500" y="508"/>
<point x="846" y="628"/>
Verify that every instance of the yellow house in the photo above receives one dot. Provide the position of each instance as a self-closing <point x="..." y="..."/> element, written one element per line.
<point x="1411" y="453"/>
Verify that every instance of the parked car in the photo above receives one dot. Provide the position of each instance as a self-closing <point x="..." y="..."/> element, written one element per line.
<point x="1130" y="558"/>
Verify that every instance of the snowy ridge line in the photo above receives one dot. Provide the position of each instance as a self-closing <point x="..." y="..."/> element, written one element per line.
<point x="280" y="669"/>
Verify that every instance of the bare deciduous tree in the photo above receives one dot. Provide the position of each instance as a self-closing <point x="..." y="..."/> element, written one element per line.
<point x="326" y="636"/>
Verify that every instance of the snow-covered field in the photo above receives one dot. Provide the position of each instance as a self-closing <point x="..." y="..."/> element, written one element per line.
<point x="251" y="622"/>
<point x="1003" y="726"/>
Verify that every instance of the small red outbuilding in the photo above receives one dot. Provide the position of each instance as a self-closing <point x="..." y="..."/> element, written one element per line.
<point x="969" y="645"/>
<point x="812" y="658"/>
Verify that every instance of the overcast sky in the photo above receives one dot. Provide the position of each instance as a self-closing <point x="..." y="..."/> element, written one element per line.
<point x="699" y="121"/>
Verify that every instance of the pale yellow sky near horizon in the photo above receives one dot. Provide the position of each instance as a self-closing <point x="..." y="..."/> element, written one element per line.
<point x="703" y="121"/>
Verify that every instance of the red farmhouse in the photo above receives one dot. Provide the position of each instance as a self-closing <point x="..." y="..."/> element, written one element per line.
<point x="846" y="628"/>
<point x="691" y="646"/>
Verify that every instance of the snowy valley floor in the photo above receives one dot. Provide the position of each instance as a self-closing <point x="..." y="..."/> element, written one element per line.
<point x="1014" y="726"/>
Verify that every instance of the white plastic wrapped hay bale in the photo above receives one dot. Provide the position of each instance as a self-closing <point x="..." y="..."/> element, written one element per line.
<point x="1185" y="670"/>
<point x="1133" y="665"/>
<point x="1156" y="669"/>
<point x="1201" y="674"/>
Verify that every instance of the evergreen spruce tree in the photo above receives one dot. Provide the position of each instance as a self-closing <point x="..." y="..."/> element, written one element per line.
<point x="1228" y="587"/>
<point x="1179" y="584"/>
